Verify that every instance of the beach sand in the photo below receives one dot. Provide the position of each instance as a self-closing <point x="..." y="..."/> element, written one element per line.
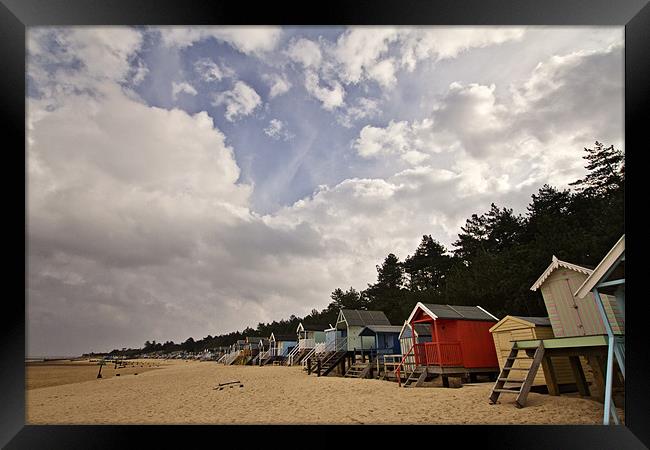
<point x="55" y="373"/>
<point x="181" y="392"/>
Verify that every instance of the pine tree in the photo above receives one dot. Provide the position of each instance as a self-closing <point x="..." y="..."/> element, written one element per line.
<point x="606" y="167"/>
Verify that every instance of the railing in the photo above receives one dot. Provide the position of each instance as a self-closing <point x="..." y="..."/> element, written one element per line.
<point x="306" y="343"/>
<point x="231" y="357"/>
<point x="318" y="348"/>
<point x="398" y="371"/>
<point x="438" y="354"/>
<point x="292" y="354"/>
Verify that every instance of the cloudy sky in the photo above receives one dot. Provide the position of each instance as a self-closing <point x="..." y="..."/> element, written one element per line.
<point x="193" y="181"/>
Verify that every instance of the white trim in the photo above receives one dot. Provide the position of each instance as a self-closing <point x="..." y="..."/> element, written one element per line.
<point x="555" y="264"/>
<point x="602" y="268"/>
<point x="489" y="314"/>
<point x="300" y="328"/>
<point x="420" y="305"/>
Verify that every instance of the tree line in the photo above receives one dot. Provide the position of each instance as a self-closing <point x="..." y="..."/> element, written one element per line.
<point x="497" y="257"/>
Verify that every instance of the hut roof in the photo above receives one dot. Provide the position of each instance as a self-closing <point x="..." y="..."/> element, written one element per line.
<point x="360" y="318"/>
<point x="453" y="312"/>
<point x="556" y="264"/>
<point x="542" y="321"/>
<point x="375" y="329"/>
<point x="524" y="320"/>
<point x="421" y="329"/>
<point x="608" y="262"/>
<point x="312" y="327"/>
<point x="253" y="339"/>
<point x="283" y="337"/>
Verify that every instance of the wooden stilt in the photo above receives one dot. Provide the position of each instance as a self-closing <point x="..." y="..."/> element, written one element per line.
<point x="549" y="375"/>
<point x="579" y="376"/>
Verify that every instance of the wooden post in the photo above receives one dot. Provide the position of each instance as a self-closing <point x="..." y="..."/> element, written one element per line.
<point x="549" y="375"/>
<point x="414" y="341"/>
<point x="99" y="374"/>
<point x="579" y="376"/>
<point x="445" y="381"/>
<point x="309" y="366"/>
<point x="435" y="330"/>
<point x="318" y="368"/>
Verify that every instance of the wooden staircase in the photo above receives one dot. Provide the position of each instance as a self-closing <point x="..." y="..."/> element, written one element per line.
<point x="331" y="361"/>
<point x="416" y="378"/>
<point x="523" y="384"/>
<point x="297" y="358"/>
<point x="359" y="370"/>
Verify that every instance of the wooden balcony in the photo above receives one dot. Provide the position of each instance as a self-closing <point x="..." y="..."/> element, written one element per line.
<point x="444" y="354"/>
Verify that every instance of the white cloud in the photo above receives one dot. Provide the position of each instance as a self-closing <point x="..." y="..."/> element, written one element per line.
<point x="363" y="108"/>
<point x="305" y="52"/>
<point x="251" y="40"/>
<point x="329" y="98"/>
<point x="278" y="83"/>
<point x="183" y="86"/>
<point x="278" y="130"/>
<point x="242" y="100"/>
<point x="210" y="71"/>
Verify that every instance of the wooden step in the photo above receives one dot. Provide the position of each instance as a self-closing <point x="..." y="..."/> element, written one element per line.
<point x="518" y="357"/>
<point x="511" y="391"/>
<point x="508" y="380"/>
<point x="517" y="368"/>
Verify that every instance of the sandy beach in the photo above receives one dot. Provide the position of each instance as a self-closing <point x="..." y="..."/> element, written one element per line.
<point x="182" y="392"/>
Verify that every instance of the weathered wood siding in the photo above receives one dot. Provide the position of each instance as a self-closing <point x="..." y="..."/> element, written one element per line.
<point x="571" y="316"/>
<point x="513" y="330"/>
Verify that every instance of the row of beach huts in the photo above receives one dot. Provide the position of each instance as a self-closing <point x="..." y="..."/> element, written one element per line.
<point x="578" y="347"/>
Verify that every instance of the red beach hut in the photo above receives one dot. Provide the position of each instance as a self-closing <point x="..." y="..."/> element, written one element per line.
<point x="461" y="343"/>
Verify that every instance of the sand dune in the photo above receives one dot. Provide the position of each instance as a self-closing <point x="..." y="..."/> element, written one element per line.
<point x="181" y="392"/>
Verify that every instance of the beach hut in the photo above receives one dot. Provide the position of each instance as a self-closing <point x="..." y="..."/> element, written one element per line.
<point x="519" y="328"/>
<point x="282" y="344"/>
<point x="351" y="322"/>
<point x="461" y="342"/>
<point x="608" y="280"/>
<point x="308" y="336"/>
<point x="386" y="338"/>
<point x="570" y="316"/>
<point x="419" y="334"/>
<point x="579" y="329"/>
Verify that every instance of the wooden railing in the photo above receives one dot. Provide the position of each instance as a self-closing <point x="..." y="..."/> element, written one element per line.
<point x="398" y="371"/>
<point x="438" y="354"/>
<point x="306" y="343"/>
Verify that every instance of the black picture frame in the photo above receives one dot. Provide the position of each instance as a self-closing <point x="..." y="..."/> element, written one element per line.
<point x="16" y="15"/>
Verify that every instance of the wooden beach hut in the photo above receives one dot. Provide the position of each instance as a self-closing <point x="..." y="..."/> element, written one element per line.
<point x="461" y="343"/>
<point x="520" y="328"/>
<point x="570" y="316"/>
<point x="351" y="322"/>
<point x="308" y="336"/>
<point x="279" y="348"/>
<point x="608" y="280"/>
<point x="579" y="330"/>
<point x="344" y="344"/>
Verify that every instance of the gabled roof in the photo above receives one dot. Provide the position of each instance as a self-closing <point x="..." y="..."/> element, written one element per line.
<point x="608" y="262"/>
<point x="421" y="329"/>
<point x="283" y="337"/>
<point x="371" y="330"/>
<point x="360" y="318"/>
<point x="311" y="327"/>
<point x="526" y="321"/>
<point x="253" y="339"/>
<point x="452" y="312"/>
<point x="555" y="264"/>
